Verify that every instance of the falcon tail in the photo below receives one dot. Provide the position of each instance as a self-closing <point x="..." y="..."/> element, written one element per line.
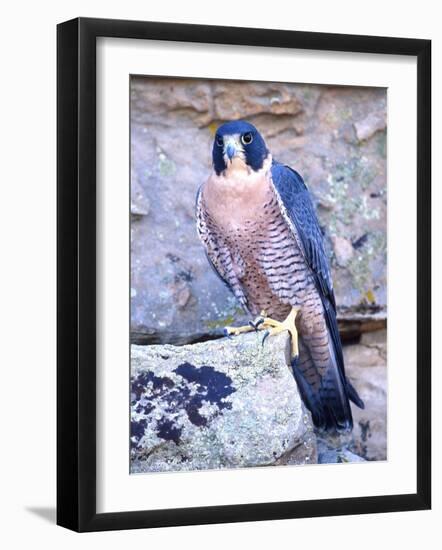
<point x="330" y="404"/>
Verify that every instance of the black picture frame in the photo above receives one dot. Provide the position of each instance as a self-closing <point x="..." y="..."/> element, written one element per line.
<point x="76" y="273"/>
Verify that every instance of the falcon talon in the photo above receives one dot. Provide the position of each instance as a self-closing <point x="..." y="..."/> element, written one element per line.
<point x="256" y="323"/>
<point x="265" y="336"/>
<point x="259" y="320"/>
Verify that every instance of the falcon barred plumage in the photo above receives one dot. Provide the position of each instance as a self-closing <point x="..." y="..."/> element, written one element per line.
<point x="258" y="225"/>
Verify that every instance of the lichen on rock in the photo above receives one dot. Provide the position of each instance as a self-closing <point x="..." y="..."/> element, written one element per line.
<point x="222" y="404"/>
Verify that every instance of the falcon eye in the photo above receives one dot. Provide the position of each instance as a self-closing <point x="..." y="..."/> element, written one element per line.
<point x="247" y="138"/>
<point x="219" y="141"/>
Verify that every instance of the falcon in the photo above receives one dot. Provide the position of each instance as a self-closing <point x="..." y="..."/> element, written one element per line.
<point x="260" y="232"/>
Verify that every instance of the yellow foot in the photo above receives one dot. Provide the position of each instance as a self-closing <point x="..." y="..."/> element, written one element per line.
<point x="271" y="327"/>
<point x="276" y="327"/>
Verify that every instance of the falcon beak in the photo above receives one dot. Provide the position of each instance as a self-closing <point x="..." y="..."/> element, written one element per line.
<point x="230" y="150"/>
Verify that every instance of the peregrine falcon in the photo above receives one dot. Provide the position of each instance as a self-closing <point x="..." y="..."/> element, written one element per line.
<point x="258" y="226"/>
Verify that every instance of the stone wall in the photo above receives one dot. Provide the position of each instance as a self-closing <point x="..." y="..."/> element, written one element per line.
<point x="335" y="137"/>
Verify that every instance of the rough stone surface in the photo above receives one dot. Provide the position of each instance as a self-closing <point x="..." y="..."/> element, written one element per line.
<point x="334" y="136"/>
<point x="343" y="250"/>
<point x="372" y="123"/>
<point x="223" y="404"/>
<point x="366" y="366"/>
<point x="330" y="454"/>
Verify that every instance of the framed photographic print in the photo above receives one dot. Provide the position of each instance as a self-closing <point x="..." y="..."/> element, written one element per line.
<point x="243" y="274"/>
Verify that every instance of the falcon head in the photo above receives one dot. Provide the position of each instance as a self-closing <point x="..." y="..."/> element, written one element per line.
<point x="238" y="144"/>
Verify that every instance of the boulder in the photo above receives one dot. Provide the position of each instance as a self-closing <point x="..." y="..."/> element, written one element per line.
<point x="221" y="404"/>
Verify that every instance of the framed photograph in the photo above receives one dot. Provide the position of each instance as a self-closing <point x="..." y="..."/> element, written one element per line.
<point x="243" y="274"/>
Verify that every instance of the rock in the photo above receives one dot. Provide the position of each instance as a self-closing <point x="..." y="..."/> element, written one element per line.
<point x="372" y="123"/>
<point x="365" y="366"/>
<point x="375" y="338"/>
<point x="354" y="324"/>
<point x="170" y="102"/>
<point x="364" y="356"/>
<point x="139" y="203"/>
<point x="176" y="296"/>
<point x="235" y="100"/>
<point x="329" y="454"/>
<point x="221" y="404"/>
<point x="369" y="437"/>
<point x="343" y="250"/>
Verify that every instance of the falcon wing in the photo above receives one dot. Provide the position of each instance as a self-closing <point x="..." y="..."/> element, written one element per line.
<point x="298" y="211"/>
<point x="217" y="252"/>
